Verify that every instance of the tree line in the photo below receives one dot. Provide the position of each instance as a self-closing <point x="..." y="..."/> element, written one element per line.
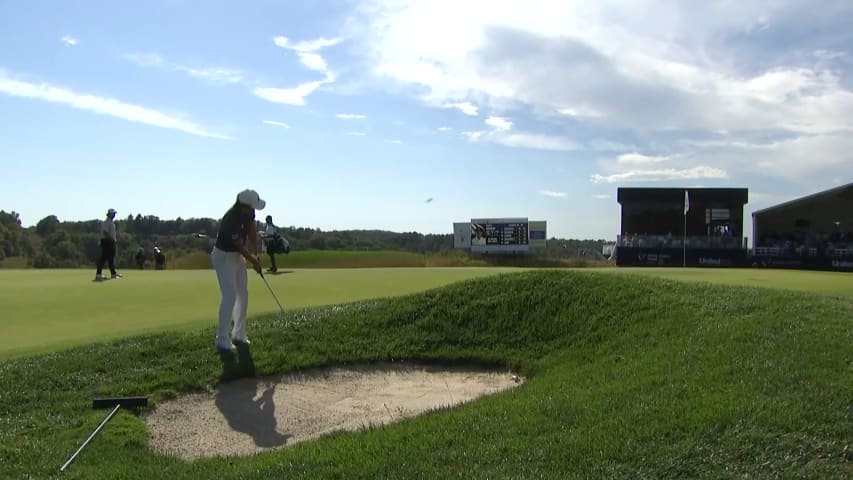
<point x="53" y="243"/>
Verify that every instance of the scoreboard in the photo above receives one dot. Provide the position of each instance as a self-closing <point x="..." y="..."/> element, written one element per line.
<point x="506" y="233"/>
<point x="500" y="235"/>
<point x="509" y="235"/>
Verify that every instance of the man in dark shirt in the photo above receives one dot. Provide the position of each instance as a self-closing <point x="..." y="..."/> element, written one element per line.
<point x="236" y="243"/>
<point x="140" y="258"/>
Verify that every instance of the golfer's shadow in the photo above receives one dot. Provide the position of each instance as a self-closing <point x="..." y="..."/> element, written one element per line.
<point x="237" y="366"/>
<point x="279" y="272"/>
<point x="244" y="409"/>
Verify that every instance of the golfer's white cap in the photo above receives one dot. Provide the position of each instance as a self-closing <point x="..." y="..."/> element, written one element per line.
<point x="252" y="199"/>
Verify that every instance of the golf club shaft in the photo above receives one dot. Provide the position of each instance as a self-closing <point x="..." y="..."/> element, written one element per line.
<point x="90" y="438"/>
<point x="273" y="293"/>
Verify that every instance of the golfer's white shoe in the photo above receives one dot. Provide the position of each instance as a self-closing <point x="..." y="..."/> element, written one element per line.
<point x="115" y="275"/>
<point x="242" y="342"/>
<point x="99" y="278"/>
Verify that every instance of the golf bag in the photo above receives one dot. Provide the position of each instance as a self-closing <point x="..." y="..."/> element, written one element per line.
<point x="278" y="244"/>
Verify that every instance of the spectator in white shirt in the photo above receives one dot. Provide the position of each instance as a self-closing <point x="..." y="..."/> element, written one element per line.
<point x="108" y="246"/>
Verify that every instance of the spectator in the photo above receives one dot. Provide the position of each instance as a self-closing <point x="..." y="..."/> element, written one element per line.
<point x="108" y="246"/>
<point x="140" y="258"/>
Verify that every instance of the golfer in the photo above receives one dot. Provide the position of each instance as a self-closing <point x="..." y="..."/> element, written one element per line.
<point x="236" y="242"/>
<point x="108" y="246"/>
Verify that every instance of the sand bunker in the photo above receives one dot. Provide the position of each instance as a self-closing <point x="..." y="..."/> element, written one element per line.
<point x="252" y="415"/>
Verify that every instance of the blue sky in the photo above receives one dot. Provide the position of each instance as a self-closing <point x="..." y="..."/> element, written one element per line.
<point x="351" y="114"/>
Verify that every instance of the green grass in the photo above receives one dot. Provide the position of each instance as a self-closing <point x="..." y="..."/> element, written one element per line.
<point x="50" y="309"/>
<point x="629" y="377"/>
<point x="837" y="283"/>
<point x="318" y="259"/>
<point x="14" y="262"/>
<point x="347" y="259"/>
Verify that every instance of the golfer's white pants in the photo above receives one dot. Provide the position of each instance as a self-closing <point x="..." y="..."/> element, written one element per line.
<point x="233" y="284"/>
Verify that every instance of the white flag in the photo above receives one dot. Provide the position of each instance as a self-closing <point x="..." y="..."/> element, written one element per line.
<point x="686" y="202"/>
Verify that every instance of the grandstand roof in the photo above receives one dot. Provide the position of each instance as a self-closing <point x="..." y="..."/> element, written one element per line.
<point x="698" y="195"/>
<point x="796" y="201"/>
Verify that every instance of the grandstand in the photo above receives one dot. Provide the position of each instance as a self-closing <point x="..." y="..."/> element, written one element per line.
<point x="678" y="226"/>
<point x="813" y="232"/>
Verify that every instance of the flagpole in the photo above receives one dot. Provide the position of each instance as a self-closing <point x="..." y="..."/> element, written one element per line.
<point x="684" y="243"/>
<point x="684" y="231"/>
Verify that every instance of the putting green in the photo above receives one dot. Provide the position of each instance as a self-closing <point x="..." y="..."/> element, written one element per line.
<point x="835" y="283"/>
<point x="54" y="309"/>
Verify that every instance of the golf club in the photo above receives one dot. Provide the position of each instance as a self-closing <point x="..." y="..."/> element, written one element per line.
<point x="281" y="309"/>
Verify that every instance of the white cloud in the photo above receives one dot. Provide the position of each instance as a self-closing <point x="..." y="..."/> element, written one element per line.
<point x="499" y="123"/>
<point x="276" y="123"/>
<point x="102" y="105"/>
<point x="350" y="116"/>
<point x="501" y="133"/>
<point x="799" y="158"/>
<point x="307" y="52"/>
<point x="600" y="196"/>
<point x="69" y="40"/>
<point x="397" y="142"/>
<point x="313" y="61"/>
<point x="356" y="134"/>
<point x="306" y="45"/>
<point x="551" y="193"/>
<point x="647" y="69"/>
<point x="609" y="145"/>
<point x="638" y="159"/>
<point x="663" y="174"/>
<point x="290" y="96"/>
<point x="535" y="141"/>
<point x="211" y="74"/>
<point x="580" y="111"/>
<point x="444" y="129"/>
<point x="467" y="108"/>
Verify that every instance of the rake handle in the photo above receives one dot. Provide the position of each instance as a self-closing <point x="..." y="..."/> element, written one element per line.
<point x="104" y="422"/>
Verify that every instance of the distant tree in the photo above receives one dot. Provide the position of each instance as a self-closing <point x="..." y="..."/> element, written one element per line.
<point x="13" y="242"/>
<point x="43" y="259"/>
<point x="3" y="234"/>
<point x="47" y="225"/>
<point x="64" y="247"/>
<point x="318" y="241"/>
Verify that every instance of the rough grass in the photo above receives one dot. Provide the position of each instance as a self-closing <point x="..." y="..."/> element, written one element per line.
<point x="629" y="377"/>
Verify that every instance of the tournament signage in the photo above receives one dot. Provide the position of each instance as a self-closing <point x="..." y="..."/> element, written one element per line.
<point x="505" y="235"/>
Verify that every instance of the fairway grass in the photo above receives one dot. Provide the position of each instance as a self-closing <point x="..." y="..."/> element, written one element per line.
<point x="627" y="377"/>
<point x="835" y="283"/>
<point x="52" y="309"/>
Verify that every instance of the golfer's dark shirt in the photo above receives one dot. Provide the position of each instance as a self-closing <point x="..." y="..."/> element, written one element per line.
<point x="233" y="226"/>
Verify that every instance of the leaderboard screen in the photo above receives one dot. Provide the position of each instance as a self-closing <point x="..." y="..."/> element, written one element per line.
<point x="509" y="235"/>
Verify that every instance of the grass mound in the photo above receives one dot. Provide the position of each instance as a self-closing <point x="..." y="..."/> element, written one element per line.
<point x="629" y="377"/>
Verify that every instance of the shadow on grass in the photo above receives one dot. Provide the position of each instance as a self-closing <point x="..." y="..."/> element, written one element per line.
<point x="237" y="366"/>
<point x="238" y="403"/>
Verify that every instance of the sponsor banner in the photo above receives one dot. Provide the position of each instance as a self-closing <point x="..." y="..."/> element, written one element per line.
<point x="671" y="257"/>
